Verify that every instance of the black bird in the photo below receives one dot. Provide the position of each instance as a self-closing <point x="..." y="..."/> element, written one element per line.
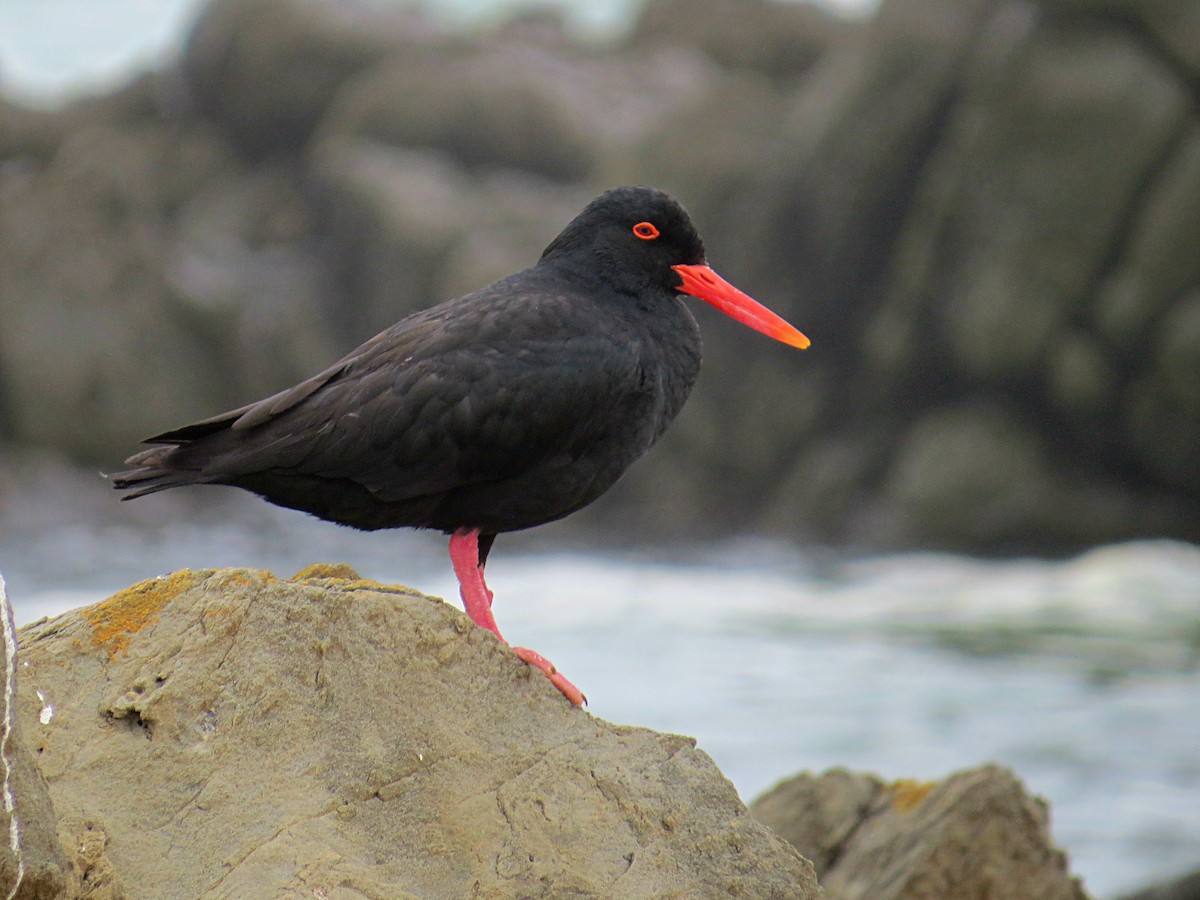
<point x="510" y="407"/>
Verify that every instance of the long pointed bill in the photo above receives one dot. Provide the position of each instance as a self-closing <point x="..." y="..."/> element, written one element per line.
<point x="703" y="282"/>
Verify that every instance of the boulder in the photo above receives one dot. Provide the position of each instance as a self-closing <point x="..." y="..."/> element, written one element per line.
<point x="33" y="865"/>
<point x="509" y="107"/>
<point x="975" y="834"/>
<point x="230" y="734"/>
<point x="266" y="70"/>
<point x="1175" y="27"/>
<point x="781" y="41"/>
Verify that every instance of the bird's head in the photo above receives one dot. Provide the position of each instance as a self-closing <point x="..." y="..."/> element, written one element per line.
<point x="640" y="241"/>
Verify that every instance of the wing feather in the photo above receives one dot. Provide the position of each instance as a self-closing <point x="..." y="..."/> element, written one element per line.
<point x="469" y="392"/>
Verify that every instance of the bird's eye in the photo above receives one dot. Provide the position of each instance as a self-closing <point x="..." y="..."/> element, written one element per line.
<point x="645" y="230"/>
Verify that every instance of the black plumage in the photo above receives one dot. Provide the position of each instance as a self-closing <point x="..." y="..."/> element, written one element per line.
<point x="504" y="409"/>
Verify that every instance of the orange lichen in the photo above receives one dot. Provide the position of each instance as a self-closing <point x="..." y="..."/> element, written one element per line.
<point x="348" y="579"/>
<point x="116" y="620"/>
<point x="245" y="577"/>
<point x="907" y="793"/>
<point x="339" y="571"/>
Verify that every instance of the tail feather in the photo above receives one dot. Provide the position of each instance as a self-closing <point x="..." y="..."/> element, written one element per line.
<point x="154" y="471"/>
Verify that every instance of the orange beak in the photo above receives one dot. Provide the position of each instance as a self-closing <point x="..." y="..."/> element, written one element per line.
<point x="703" y="282"/>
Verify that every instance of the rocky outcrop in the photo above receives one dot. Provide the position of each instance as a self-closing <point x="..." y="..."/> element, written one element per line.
<point x="974" y="834"/>
<point x="32" y="863"/>
<point x="225" y="733"/>
<point x="1016" y="244"/>
<point x="228" y="734"/>
<point x="984" y="212"/>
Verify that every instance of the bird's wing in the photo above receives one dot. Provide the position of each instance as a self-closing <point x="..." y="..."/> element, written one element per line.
<point x="439" y="401"/>
<point x="261" y="411"/>
<point x="464" y="417"/>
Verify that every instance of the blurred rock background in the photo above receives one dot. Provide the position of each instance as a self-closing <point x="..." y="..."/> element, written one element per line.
<point x="985" y="213"/>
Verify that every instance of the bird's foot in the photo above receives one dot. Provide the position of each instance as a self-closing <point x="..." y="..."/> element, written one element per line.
<point x="556" y="677"/>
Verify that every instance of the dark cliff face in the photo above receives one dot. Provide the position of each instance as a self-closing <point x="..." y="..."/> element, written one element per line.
<point x="983" y="213"/>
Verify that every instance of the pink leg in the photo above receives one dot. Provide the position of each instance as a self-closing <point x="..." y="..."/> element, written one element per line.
<point x="491" y="595"/>
<point x="477" y="601"/>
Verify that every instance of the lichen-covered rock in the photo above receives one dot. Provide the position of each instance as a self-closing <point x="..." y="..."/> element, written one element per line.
<point x="974" y="834"/>
<point x="228" y="734"/>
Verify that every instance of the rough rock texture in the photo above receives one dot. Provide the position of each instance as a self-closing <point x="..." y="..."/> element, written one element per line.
<point x="984" y="212"/>
<point x="227" y="734"/>
<point x="975" y="835"/>
<point x="32" y="863"/>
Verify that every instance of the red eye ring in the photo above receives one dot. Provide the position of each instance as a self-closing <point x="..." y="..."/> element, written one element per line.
<point x="645" y="231"/>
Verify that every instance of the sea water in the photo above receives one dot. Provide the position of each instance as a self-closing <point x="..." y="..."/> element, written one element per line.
<point x="1082" y="675"/>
